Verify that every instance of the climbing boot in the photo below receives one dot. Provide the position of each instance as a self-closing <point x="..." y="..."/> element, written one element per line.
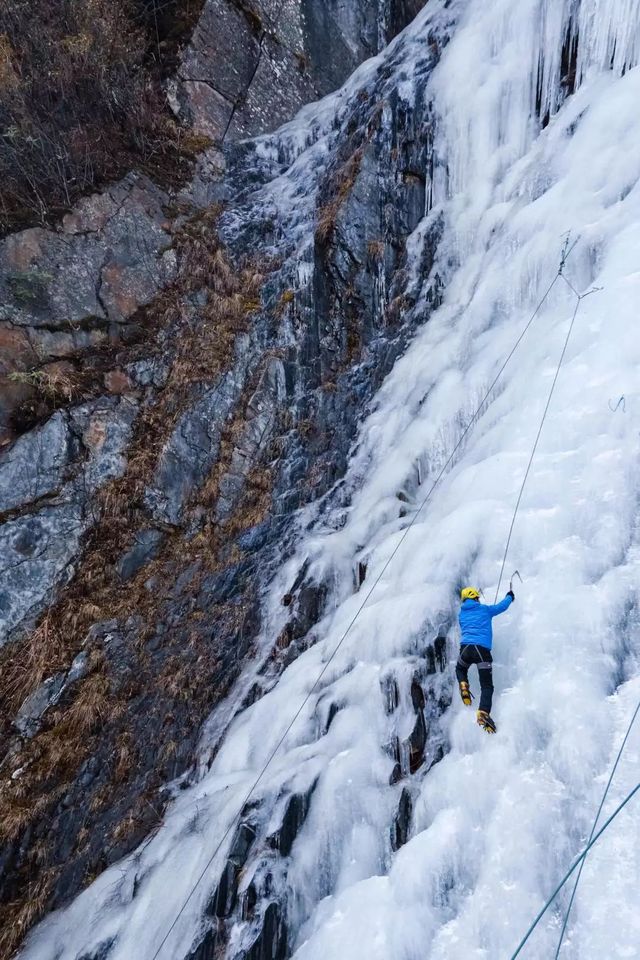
<point x="485" y="721"/>
<point x="465" y="692"/>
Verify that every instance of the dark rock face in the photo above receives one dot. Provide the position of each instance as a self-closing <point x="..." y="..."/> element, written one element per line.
<point x="226" y="895"/>
<point x="427" y="697"/>
<point x="231" y="448"/>
<point x="402" y="821"/>
<point x="102" y="952"/>
<point x="294" y="817"/>
<point x="73" y="290"/>
<point x="271" y="943"/>
<point x="252" y="65"/>
<point x="145" y="548"/>
<point x="245" y="893"/>
<point x="48" y="483"/>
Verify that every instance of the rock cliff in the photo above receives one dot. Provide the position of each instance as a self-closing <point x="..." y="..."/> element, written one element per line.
<point x="181" y="374"/>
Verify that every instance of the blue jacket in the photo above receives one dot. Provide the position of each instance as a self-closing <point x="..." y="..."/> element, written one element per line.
<point x="475" y="620"/>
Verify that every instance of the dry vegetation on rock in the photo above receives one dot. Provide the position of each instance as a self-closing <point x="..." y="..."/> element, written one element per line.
<point x="186" y="678"/>
<point x="82" y="99"/>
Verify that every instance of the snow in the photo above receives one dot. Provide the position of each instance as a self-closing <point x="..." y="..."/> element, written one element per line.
<point x="499" y="819"/>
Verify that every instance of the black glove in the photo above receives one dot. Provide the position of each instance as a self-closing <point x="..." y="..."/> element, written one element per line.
<point x="511" y="594"/>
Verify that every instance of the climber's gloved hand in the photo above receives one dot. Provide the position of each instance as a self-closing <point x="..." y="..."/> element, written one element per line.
<point x="511" y="594"/>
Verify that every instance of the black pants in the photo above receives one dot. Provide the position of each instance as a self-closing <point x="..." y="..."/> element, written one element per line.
<point x="471" y="653"/>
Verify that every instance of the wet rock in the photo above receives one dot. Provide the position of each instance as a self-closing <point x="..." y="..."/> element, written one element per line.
<point x="436" y="655"/>
<point x="402" y="820"/>
<point x="256" y="537"/>
<point x="146" y="547"/>
<point x="417" y="743"/>
<point x="225" y="897"/>
<point x="271" y="943"/>
<point x="30" y="713"/>
<point x="418" y="739"/>
<point x="249" y="901"/>
<point x="208" y="948"/>
<point x="309" y="608"/>
<point x="101" y="953"/>
<point x="390" y="693"/>
<point x="396" y="774"/>
<point x="417" y="695"/>
<point x="295" y="814"/>
<point x="334" y="709"/>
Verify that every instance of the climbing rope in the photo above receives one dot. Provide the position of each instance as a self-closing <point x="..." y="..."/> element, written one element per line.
<point x="592" y="839"/>
<point x="312" y="689"/>
<point x="579" y="860"/>
<point x="595" y="823"/>
<point x="579" y="298"/>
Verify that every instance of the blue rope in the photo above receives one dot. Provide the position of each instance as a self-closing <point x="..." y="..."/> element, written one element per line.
<point x="579" y="860"/>
<point x="595" y="822"/>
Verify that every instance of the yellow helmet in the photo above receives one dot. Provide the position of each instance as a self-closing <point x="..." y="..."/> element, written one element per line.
<point x="470" y="593"/>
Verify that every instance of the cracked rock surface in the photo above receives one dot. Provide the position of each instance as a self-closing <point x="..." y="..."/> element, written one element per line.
<point x="48" y="480"/>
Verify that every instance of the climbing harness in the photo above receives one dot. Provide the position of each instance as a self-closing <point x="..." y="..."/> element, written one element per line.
<point x="595" y="823"/>
<point x="579" y="860"/>
<point x="475" y="416"/>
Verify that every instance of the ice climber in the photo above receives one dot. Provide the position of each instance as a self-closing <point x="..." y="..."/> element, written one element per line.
<point x="475" y="647"/>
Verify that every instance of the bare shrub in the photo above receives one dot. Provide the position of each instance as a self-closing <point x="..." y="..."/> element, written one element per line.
<point x="81" y="99"/>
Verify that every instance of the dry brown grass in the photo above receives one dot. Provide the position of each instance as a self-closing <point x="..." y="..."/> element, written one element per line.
<point x="125" y="758"/>
<point x="375" y="249"/>
<point x="57" y="381"/>
<point x="286" y="299"/>
<point x="17" y="919"/>
<point x="82" y="99"/>
<point x="40" y="658"/>
<point x="339" y="191"/>
<point x="90" y="714"/>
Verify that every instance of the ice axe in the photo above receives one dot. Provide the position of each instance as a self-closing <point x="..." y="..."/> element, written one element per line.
<point x="516" y="573"/>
